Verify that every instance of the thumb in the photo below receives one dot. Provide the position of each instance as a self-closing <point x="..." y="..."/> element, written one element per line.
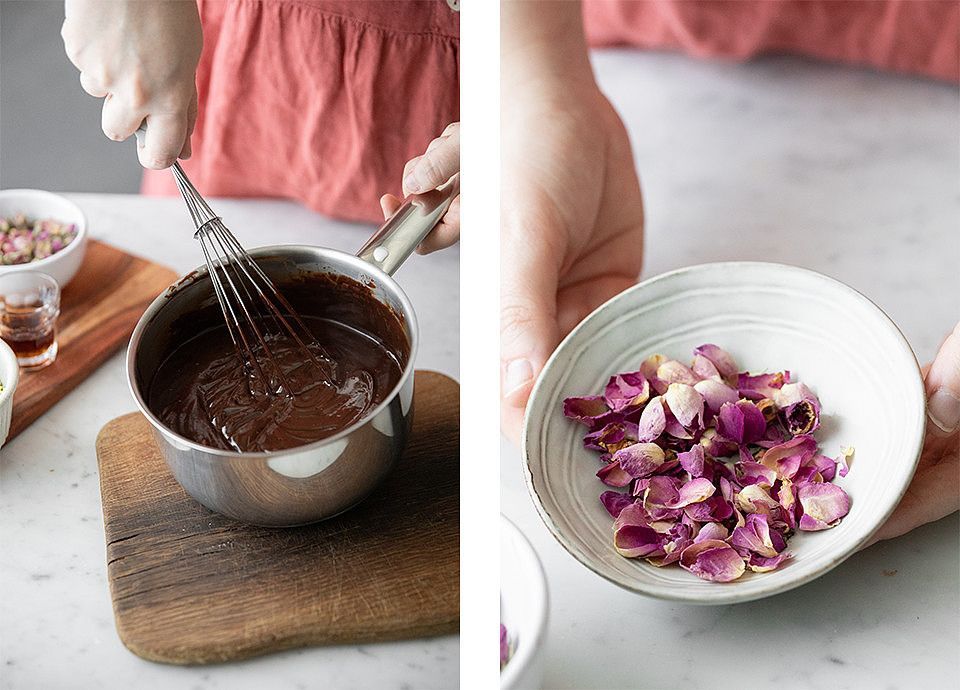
<point x="440" y="162"/>
<point x="943" y="386"/>
<point x="529" y="273"/>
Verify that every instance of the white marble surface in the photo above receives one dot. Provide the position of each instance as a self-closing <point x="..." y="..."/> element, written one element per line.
<point x="845" y="171"/>
<point x="56" y="623"/>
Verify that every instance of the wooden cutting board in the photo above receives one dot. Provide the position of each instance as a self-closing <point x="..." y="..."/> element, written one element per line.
<point x="99" y="309"/>
<point x="190" y="586"/>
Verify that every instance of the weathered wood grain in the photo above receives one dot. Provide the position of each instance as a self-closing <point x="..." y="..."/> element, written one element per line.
<point x="98" y="311"/>
<point x="190" y="586"/>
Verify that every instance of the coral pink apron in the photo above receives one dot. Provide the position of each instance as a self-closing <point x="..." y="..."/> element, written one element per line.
<point x="321" y="101"/>
<point x="910" y="36"/>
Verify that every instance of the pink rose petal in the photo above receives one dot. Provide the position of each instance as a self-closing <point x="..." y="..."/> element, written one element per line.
<point x="712" y="560"/>
<point x="823" y="505"/>
<point x="685" y="403"/>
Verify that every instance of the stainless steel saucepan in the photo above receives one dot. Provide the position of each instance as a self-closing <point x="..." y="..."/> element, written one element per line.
<point x="299" y="485"/>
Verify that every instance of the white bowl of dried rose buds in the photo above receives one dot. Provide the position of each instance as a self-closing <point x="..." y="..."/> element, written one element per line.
<point x="724" y="432"/>
<point x="41" y="231"/>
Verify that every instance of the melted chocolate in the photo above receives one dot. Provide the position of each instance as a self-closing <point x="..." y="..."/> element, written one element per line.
<point x="203" y="391"/>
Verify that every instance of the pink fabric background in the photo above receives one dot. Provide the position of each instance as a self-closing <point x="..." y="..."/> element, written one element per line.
<point x="321" y="101"/>
<point x="911" y="36"/>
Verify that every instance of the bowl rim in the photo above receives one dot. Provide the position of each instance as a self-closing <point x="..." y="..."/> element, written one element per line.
<point x="519" y="662"/>
<point x="200" y="272"/>
<point x="79" y="240"/>
<point x="731" y="595"/>
<point x="9" y="387"/>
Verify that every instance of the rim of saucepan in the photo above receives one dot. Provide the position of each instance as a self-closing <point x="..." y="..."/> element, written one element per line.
<point x="409" y="315"/>
<point x="731" y="596"/>
<point x="47" y="260"/>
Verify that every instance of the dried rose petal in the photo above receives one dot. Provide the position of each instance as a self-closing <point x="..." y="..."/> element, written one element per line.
<point x="685" y="403"/>
<point x="653" y="420"/>
<point x="760" y="386"/>
<point x="754" y="536"/>
<point x="715" y="445"/>
<point x="504" y="646"/>
<point x="802" y="416"/>
<point x="824" y="466"/>
<point x="640" y="459"/>
<point x="635" y="541"/>
<point x="587" y="409"/>
<point x="715" y="394"/>
<point x="692" y="461"/>
<point x="626" y="392"/>
<point x="673" y="371"/>
<point x="721" y="359"/>
<point x="823" y="505"/>
<point x="755" y="473"/>
<point x="755" y="499"/>
<point x="843" y="460"/>
<point x="711" y="530"/>
<point x="669" y="492"/>
<point x="787" y="457"/>
<point x="712" y="560"/>
<point x="612" y="474"/>
<point x="714" y="476"/>
<point x="705" y="369"/>
<point x="649" y="368"/>
<point x="741" y="422"/>
<point x="612" y="437"/>
<point x="760" y="564"/>
<point x="615" y="502"/>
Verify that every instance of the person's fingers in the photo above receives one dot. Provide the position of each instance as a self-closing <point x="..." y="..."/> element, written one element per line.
<point x="528" y="309"/>
<point x="164" y="140"/>
<point x="440" y="162"/>
<point x="187" y="149"/>
<point x="92" y="85"/>
<point x="933" y="494"/>
<point x="389" y="205"/>
<point x="118" y="120"/>
<point x="446" y="234"/>
<point x="943" y="387"/>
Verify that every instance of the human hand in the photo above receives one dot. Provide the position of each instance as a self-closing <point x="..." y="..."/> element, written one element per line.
<point x="141" y="58"/>
<point x="438" y="164"/>
<point x="571" y="225"/>
<point x="934" y="491"/>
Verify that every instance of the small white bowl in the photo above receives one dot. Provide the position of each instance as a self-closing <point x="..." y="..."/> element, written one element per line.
<point x="523" y="609"/>
<point x="9" y="376"/>
<point x="37" y="203"/>
<point x="770" y="317"/>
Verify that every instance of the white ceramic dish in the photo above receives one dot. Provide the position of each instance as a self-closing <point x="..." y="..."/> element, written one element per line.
<point x="9" y="376"/>
<point x="523" y="609"/>
<point x="769" y="317"/>
<point x="37" y="203"/>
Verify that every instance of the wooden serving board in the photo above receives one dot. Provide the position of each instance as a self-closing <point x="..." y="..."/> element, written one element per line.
<point x="99" y="309"/>
<point x="190" y="586"/>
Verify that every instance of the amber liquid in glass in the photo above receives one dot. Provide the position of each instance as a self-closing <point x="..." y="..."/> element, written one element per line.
<point x="27" y="330"/>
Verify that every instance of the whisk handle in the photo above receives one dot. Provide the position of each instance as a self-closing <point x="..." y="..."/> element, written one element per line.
<point x="396" y="239"/>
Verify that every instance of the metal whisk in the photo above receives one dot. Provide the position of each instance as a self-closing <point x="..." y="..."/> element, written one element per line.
<point x="254" y="310"/>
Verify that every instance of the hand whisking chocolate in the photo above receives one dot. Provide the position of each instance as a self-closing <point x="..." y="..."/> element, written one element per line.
<point x="260" y="379"/>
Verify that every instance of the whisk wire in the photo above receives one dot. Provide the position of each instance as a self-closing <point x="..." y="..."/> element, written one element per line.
<point x="248" y="298"/>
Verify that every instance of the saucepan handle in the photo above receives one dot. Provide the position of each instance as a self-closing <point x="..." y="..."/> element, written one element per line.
<point x="397" y="238"/>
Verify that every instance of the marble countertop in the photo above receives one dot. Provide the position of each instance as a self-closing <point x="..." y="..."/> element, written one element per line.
<point x="56" y="622"/>
<point x="846" y="171"/>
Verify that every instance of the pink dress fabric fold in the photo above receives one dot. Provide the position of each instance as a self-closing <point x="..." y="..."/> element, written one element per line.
<point x="320" y="101"/>
<point x="919" y="37"/>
